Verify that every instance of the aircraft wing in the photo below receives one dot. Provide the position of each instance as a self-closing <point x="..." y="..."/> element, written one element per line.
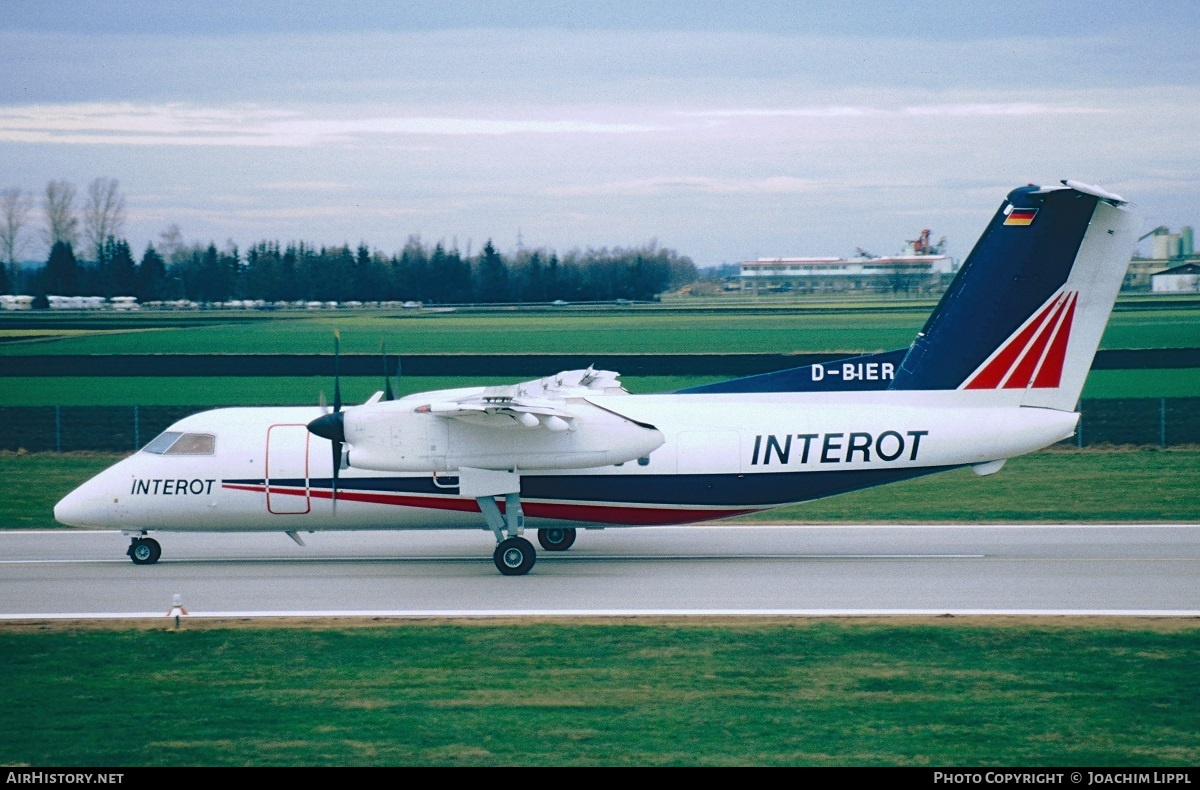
<point x="542" y="402"/>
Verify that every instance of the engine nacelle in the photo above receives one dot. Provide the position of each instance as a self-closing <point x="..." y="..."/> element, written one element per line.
<point x="395" y="437"/>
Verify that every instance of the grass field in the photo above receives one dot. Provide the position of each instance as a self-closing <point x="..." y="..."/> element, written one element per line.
<point x="684" y="693"/>
<point x="1061" y="485"/>
<point x="869" y="326"/>
<point x="266" y="391"/>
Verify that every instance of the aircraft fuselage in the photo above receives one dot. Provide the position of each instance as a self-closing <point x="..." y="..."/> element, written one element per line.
<point x="721" y="455"/>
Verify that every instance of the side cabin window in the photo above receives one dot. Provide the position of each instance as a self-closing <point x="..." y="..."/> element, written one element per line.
<point x="172" y="443"/>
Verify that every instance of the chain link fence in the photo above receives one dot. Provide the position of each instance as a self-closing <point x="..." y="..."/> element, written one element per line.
<point x="1161" y="422"/>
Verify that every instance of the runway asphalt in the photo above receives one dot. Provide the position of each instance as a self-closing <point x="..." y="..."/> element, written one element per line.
<point x="710" y="570"/>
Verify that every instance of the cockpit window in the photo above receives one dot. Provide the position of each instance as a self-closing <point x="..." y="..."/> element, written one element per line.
<point x="172" y="443"/>
<point x="162" y="442"/>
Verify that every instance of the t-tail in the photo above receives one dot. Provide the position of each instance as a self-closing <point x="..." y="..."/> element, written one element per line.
<point x="1028" y="307"/>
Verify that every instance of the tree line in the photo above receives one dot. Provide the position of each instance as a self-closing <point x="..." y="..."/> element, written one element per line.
<point x="275" y="272"/>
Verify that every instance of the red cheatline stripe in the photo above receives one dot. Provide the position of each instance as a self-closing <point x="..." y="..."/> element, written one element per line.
<point x="1051" y="373"/>
<point x="608" y="514"/>
<point x="993" y="373"/>
<point x="1023" y="372"/>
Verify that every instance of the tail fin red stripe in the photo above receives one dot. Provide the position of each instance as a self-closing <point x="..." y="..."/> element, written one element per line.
<point x="1052" y="366"/>
<point x="1023" y="372"/>
<point x="994" y="372"/>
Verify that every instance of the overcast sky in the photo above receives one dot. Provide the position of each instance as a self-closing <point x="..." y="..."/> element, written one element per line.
<point x="724" y="130"/>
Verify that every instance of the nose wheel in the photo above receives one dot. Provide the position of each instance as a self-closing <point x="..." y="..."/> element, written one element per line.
<point x="144" y="551"/>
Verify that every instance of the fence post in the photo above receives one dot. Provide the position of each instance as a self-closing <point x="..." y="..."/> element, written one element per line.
<point x="1162" y="422"/>
<point x="1079" y="431"/>
<point x="137" y="429"/>
<point x="58" y="429"/>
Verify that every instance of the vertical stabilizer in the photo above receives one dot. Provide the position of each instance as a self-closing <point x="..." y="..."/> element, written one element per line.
<point x="1028" y="308"/>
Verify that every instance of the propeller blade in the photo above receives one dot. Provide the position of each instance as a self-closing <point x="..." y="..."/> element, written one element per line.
<point x="337" y="381"/>
<point x="332" y="426"/>
<point x="337" y="466"/>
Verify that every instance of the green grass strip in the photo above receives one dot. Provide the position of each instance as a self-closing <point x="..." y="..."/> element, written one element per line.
<point x="266" y="391"/>
<point x="641" y="330"/>
<point x="670" y="693"/>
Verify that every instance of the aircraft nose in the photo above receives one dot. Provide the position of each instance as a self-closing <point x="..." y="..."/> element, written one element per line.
<point x="78" y="509"/>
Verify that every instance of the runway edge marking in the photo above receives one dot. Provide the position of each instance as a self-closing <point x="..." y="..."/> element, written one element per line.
<point x="593" y="613"/>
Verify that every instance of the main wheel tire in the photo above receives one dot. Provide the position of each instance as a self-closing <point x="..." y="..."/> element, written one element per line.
<point x="145" y="551"/>
<point x="514" y="557"/>
<point x="556" y="538"/>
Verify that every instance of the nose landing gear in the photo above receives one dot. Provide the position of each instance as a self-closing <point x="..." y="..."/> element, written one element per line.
<point x="144" y="551"/>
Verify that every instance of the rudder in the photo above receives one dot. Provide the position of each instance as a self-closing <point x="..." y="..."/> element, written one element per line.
<point x="1028" y="307"/>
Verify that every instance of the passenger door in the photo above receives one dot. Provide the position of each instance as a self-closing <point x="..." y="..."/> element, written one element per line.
<point x="287" y="469"/>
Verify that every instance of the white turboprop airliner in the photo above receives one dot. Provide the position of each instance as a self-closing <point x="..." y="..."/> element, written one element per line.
<point x="996" y="372"/>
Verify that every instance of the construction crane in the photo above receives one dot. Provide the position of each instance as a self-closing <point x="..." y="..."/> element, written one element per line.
<point x="923" y="246"/>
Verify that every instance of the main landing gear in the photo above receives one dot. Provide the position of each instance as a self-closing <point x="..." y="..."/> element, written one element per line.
<point x="514" y="556"/>
<point x="556" y="538"/>
<point x="144" y="551"/>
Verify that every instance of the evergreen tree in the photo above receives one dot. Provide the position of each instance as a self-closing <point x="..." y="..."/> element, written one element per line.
<point x="289" y="289"/>
<point x="437" y="287"/>
<point x="362" y="290"/>
<point x="233" y="271"/>
<point x="458" y="278"/>
<point x="492" y="279"/>
<point x="151" y="277"/>
<point x="339" y="272"/>
<point x="410" y="272"/>
<point x="61" y="276"/>
<point x="552" y="285"/>
<point x="535" y="283"/>
<point x="122" y="272"/>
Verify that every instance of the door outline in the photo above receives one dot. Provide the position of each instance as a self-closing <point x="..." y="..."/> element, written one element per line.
<point x="290" y="497"/>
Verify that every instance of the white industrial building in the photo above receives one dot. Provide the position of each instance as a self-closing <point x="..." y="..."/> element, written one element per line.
<point x="921" y="267"/>
<point x="1183" y="279"/>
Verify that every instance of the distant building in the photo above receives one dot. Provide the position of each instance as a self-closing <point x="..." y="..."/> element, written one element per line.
<point x="9" y="302"/>
<point x="1183" y="279"/>
<point x="1167" y="250"/>
<point x="921" y="267"/>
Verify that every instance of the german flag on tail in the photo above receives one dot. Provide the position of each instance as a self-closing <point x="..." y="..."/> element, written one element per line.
<point x="1021" y="216"/>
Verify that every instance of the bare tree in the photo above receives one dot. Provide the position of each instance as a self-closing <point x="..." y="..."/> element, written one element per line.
<point x="170" y="243"/>
<point x="15" y="205"/>
<point x="104" y="214"/>
<point x="61" y="222"/>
